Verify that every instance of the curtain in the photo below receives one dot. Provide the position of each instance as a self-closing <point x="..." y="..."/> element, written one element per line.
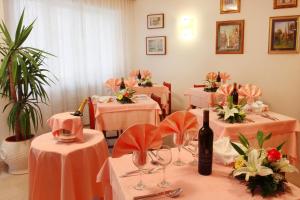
<point x="89" y="38"/>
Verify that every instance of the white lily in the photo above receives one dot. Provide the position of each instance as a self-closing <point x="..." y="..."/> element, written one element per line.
<point x="283" y="165"/>
<point x="229" y="112"/>
<point x="253" y="166"/>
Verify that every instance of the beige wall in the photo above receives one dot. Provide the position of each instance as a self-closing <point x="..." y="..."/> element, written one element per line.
<point x="187" y="62"/>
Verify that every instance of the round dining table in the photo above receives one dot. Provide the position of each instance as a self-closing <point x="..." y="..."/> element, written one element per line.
<point x="66" y="171"/>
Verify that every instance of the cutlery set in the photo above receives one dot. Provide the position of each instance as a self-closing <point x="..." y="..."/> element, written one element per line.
<point x="267" y="116"/>
<point x="168" y="193"/>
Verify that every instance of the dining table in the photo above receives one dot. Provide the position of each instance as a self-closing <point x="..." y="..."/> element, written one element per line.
<point x="66" y="171"/>
<point x="283" y="129"/>
<point x="157" y="89"/>
<point x="219" y="185"/>
<point x="197" y="97"/>
<point x="117" y="116"/>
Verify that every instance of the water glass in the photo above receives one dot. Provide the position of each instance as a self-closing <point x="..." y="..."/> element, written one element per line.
<point x="164" y="158"/>
<point x="139" y="159"/>
<point x="179" y="140"/>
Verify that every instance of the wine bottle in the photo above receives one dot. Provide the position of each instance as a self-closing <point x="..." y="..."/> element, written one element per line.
<point x="79" y="111"/>
<point x="122" y="85"/>
<point x="139" y="77"/>
<point x="205" y="144"/>
<point x="235" y="95"/>
<point x="218" y="81"/>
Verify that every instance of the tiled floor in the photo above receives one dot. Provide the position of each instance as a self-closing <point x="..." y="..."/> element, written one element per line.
<point x="13" y="187"/>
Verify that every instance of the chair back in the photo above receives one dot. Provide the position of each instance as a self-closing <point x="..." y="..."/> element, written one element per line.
<point x="198" y="85"/>
<point x="168" y="85"/>
<point x="91" y="113"/>
<point x="158" y="100"/>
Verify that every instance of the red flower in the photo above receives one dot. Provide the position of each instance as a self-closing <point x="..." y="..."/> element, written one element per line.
<point x="274" y="155"/>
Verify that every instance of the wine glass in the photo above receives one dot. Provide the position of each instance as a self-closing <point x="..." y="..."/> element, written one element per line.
<point x="139" y="159"/>
<point x="179" y="140"/>
<point x="164" y="158"/>
<point x="194" y="149"/>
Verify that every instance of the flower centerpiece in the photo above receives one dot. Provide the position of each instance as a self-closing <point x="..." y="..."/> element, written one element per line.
<point x="125" y="95"/>
<point x="232" y="113"/>
<point x="262" y="169"/>
<point x="145" y="80"/>
<point x="211" y="82"/>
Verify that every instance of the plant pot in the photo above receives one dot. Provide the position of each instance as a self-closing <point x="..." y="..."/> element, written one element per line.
<point x="15" y="154"/>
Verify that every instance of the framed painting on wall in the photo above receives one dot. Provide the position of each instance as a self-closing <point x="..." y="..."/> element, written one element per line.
<point x="284" y="34"/>
<point x="285" y="3"/>
<point x="230" y="6"/>
<point x="230" y="37"/>
<point x="156" y="45"/>
<point x="155" y="21"/>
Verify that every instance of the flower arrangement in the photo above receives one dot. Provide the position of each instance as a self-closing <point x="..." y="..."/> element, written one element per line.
<point x="211" y="82"/>
<point x="125" y="95"/>
<point x="262" y="169"/>
<point x="232" y="113"/>
<point x="145" y="82"/>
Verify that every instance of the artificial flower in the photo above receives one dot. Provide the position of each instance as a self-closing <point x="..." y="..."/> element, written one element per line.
<point x="273" y="155"/>
<point x="253" y="166"/>
<point x="239" y="162"/>
<point x="229" y="112"/>
<point x="283" y="165"/>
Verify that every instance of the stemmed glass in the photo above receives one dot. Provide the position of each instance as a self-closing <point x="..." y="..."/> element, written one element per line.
<point x="139" y="160"/>
<point x="193" y="142"/>
<point x="179" y="140"/>
<point x="164" y="158"/>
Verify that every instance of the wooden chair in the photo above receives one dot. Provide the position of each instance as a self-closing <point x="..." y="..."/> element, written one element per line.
<point x="198" y="85"/>
<point x="168" y="85"/>
<point x="158" y="100"/>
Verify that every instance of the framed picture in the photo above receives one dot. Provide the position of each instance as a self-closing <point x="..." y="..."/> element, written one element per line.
<point x="230" y="6"/>
<point x="156" y="45"/>
<point x="284" y="34"/>
<point x="155" y="21"/>
<point x="230" y="37"/>
<point x="285" y="4"/>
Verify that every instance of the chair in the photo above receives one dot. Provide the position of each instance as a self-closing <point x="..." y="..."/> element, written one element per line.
<point x="168" y="85"/>
<point x="158" y="100"/>
<point x="91" y="113"/>
<point x="198" y="85"/>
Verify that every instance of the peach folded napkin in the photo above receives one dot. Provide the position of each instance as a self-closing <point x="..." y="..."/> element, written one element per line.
<point x="224" y="91"/>
<point x="134" y="73"/>
<point x="66" y="121"/>
<point x="130" y="82"/>
<point x="146" y="74"/>
<point x="224" y="77"/>
<point x="180" y="122"/>
<point x="140" y="138"/>
<point x="250" y="92"/>
<point x="113" y="84"/>
<point x="211" y="76"/>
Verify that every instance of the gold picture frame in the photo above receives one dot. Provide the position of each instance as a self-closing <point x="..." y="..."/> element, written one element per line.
<point x="278" y="4"/>
<point x="155" y="21"/>
<point x="230" y="6"/>
<point x="230" y="37"/>
<point x="284" y="35"/>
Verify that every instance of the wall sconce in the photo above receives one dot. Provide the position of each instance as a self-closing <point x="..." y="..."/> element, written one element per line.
<point x="187" y="28"/>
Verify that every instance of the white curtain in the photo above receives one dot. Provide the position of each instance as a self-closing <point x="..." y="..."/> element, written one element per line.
<point x="89" y="38"/>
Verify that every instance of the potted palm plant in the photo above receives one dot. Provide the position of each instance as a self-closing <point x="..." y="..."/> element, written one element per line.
<point x="22" y="83"/>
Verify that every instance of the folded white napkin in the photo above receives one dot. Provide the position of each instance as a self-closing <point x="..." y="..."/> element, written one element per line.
<point x="101" y="99"/>
<point x="257" y="106"/>
<point x="224" y="153"/>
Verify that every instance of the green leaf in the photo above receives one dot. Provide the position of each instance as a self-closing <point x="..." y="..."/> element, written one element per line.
<point x="20" y="24"/>
<point x="280" y="146"/>
<point x="243" y="140"/>
<point x="260" y="138"/>
<point x="237" y="148"/>
<point x="268" y="137"/>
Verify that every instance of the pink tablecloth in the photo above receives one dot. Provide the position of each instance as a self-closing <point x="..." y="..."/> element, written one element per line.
<point x="117" y="116"/>
<point x="66" y="121"/>
<point x="66" y="171"/>
<point x="219" y="185"/>
<point x="199" y="98"/>
<point x="283" y="130"/>
<point x="159" y="90"/>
